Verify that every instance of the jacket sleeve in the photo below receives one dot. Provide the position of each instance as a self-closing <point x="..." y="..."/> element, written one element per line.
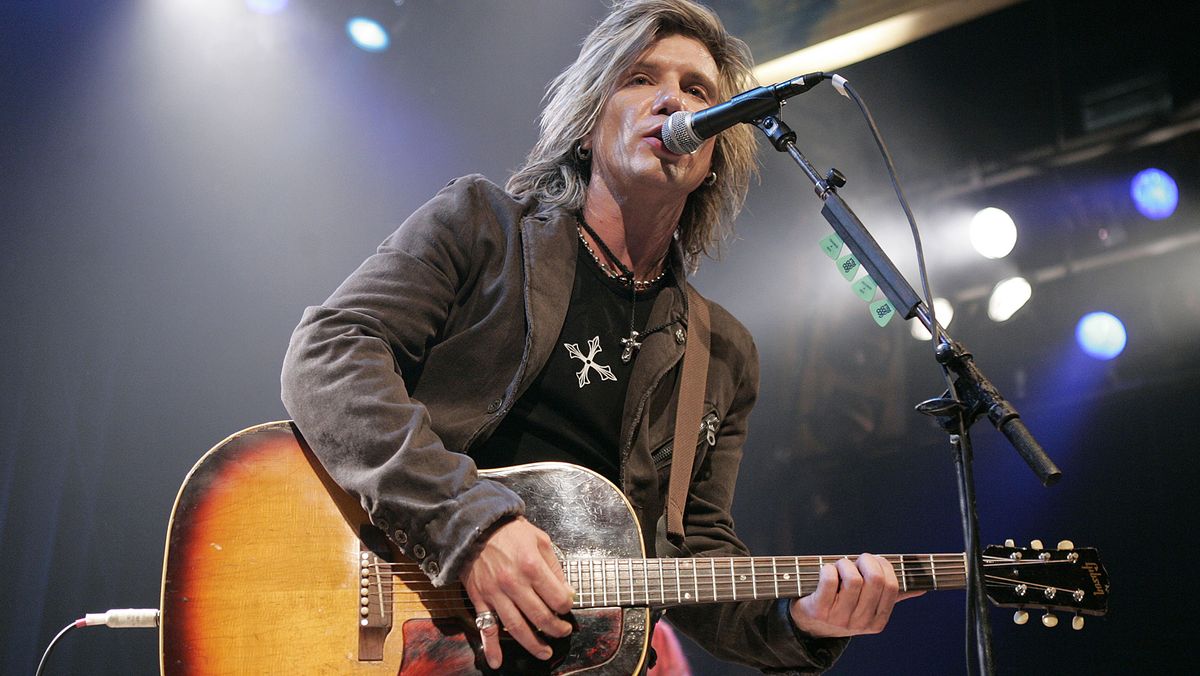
<point x="757" y="633"/>
<point x="344" y="383"/>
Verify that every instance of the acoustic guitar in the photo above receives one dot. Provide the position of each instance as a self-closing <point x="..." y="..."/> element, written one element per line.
<point x="271" y="568"/>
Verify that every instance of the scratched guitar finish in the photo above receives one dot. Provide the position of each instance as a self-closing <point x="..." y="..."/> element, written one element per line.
<point x="271" y="568"/>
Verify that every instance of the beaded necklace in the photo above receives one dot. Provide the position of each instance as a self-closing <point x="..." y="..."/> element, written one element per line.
<point x="632" y="343"/>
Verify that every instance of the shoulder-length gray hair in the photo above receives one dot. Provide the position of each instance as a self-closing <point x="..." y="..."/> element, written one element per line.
<point x="554" y="174"/>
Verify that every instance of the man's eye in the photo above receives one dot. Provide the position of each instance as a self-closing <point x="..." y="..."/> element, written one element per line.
<point x="639" y="80"/>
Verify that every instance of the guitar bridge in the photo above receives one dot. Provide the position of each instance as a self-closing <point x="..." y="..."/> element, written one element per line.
<point x="375" y="611"/>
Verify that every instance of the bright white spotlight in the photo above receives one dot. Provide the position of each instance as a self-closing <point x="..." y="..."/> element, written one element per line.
<point x="1007" y="297"/>
<point x="993" y="233"/>
<point x="1154" y="193"/>
<point x="1101" y="335"/>
<point x="945" y="313"/>
<point x="266" y="6"/>
<point x="368" y="34"/>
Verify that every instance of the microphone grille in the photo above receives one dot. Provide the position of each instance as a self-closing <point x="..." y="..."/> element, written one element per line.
<point x="677" y="134"/>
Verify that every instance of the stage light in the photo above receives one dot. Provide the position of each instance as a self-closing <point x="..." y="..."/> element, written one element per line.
<point x="266" y="6"/>
<point x="1007" y="297"/>
<point x="1100" y="335"/>
<point x="1154" y="193"/>
<point x="993" y="233"/>
<point x="368" y="34"/>
<point x="945" y="313"/>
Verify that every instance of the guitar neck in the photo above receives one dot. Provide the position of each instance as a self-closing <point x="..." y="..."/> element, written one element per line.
<point x="672" y="582"/>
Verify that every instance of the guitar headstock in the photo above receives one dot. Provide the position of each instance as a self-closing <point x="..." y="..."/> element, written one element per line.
<point x="1067" y="578"/>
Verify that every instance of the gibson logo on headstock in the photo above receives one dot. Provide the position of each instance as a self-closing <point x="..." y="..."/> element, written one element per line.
<point x="1093" y="570"/>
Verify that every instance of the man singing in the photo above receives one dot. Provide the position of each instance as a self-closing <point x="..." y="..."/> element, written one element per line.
<point x="547" y="320"/>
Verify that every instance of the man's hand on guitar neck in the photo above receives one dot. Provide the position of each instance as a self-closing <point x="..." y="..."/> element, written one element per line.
<point x="852" y="598"/>
<point x="517" y="576"/>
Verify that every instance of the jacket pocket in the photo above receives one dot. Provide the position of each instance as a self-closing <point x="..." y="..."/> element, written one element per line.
<point x="710" y="424"/>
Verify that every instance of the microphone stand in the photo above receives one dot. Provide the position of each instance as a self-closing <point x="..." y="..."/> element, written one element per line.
<point x="971" y="394"/>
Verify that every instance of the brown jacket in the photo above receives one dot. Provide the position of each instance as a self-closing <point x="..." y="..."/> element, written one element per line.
<point x="421" y="352"/>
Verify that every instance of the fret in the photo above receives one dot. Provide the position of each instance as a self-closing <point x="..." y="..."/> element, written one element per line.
<point x="712" y="571"/>
<point x="733" y="578"/>
<point x="604" y="579"/>
<point x="695" y="580"/>
<point x="933" y="570"/>
<point x="799" y="588"/>
<point x="903" y="575"/>
<point x="678" y="588"/>
<point x="663" y="588"/>
<point x="775" y="576"/>
<point x="629" y="564"/>
<point x="592" y="579"/>
<point x="753" y="580"/>
<point x="616" y="565"/>
<point x="570" y="583"/>
<point x="646" y="581"/>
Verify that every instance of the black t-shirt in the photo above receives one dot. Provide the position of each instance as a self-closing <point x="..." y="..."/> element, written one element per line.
<point x="572" y="410"/>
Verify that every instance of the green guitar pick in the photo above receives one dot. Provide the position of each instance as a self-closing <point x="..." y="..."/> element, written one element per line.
<point x="848" y="265"/>
<point x="865" y="288"/>
<point x="882" y="311"/>
<point x="831" y="245"/>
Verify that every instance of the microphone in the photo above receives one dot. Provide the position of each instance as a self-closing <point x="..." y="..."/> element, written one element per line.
<point x="683" y="132"/>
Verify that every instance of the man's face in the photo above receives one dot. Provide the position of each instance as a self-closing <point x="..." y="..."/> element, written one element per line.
<point x="675" y="73"/>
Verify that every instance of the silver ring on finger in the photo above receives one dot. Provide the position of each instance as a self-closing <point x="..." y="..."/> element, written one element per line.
<point x="485" y="620"/>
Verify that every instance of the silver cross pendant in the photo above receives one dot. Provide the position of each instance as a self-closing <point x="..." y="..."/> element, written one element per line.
<point x="631" y="346"/>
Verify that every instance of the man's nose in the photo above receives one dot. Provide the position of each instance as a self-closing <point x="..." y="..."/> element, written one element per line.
<point x="668" y="100"/>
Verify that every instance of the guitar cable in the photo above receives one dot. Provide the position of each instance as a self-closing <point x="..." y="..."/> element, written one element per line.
<point x="120" y="618"/>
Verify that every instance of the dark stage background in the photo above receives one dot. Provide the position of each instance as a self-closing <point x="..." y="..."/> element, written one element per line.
<point x="178" y="180"/>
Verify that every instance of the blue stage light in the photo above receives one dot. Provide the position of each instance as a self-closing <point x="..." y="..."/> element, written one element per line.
<point x="1154" y="193"/>
<point x="368" y="34"/>
<point x="1100" y="335"/>
<point x="266" y="6"/>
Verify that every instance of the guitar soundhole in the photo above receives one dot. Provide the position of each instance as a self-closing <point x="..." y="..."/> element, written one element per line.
<point x="442" y="646"/>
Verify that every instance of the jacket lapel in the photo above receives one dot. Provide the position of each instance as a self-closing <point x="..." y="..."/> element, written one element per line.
<point x="549" y="246"/>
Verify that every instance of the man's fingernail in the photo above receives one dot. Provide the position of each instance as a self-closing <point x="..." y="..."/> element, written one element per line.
<point x="545" y="654"/>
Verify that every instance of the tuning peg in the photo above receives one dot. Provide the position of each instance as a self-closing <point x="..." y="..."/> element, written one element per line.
<point x="1049" y="620"/>
<point x="1077" y="622"/>
<point x="1010" y="543"/>
<point x="1020" y="617"/>
<point x="1065" y="544"/>
<point x="1035" y="544"/>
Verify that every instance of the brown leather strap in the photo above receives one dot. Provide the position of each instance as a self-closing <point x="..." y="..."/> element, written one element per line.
<point x="690" y="408"/>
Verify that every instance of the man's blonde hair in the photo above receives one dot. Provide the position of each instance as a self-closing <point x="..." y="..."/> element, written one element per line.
<point x="554" y="174"/>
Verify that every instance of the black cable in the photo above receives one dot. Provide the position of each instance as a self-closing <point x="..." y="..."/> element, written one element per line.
<point x="974" y="630"/>
<point x="53" y="641"/>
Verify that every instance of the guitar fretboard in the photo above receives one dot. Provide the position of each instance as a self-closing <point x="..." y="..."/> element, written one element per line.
<point x="670" y="582"/>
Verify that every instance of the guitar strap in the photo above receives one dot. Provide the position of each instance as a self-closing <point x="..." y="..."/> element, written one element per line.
<point x="689" y="408"/>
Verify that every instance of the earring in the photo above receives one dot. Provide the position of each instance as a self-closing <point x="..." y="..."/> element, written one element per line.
<point x="711" y="179"/>
<point x="582" y="154"/>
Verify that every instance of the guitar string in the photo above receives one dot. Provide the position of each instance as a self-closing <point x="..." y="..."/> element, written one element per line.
<point x="452" y="595"/>
<point x="627" y="580"/>
<point x="450" y="604"/>
<point x="757" y="562"/>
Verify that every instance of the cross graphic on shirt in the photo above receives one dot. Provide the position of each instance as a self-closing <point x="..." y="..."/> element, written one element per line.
<point x="588" y="361"/>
